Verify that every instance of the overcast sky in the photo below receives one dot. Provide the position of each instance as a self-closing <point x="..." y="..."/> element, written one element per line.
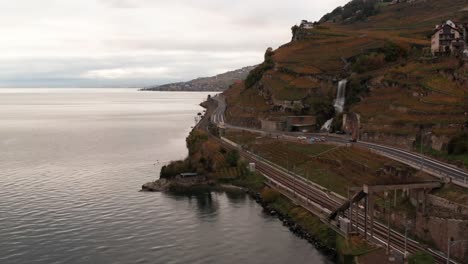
<point x="134" y="43"/>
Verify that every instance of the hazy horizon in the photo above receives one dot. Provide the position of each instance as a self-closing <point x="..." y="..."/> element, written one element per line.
<point x="136" y="43"/>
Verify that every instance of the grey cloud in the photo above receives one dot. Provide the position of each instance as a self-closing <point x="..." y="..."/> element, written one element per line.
<point x="76" y="42"/>
<point x="56" y="72"/>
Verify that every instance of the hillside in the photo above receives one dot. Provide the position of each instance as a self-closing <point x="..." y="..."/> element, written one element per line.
<point x="396" y="89"/>
<point x="219" y="82"/>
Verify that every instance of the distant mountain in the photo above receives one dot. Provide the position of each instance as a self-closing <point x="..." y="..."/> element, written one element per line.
<point x="219" y="82"/>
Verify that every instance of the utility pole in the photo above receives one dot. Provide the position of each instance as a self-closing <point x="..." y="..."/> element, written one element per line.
<point x="448" y="250"/>
<point x="406" y="241"/>
<point x="407" y="226"/>
<point x="350" y="211"/>
<point x="450" y="243"/>
<point x="366" y="207"/>
<point x="388" y="222"/>
<point x="421" y="143"/>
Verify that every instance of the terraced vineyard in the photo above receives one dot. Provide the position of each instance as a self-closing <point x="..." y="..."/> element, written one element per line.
<point x="242" y="137"/>
<point x="416" y="94"/>
<point x="334" y="167"/>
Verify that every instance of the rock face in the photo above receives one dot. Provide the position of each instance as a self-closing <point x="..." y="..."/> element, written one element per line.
<point x="439" y="229"/>
<point x="156" y="186"/>
<point x="166" y="184"/>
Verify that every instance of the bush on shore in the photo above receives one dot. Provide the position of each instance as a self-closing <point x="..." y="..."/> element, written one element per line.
<point x="421" y="258"/>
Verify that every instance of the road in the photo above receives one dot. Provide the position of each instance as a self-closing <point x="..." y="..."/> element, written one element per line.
<point x="429" y="165"/>
<point x="316" y="195"/>
<point x="218" y="115"/>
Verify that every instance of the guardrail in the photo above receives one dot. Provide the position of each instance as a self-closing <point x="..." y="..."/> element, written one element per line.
<point x="437" y="173"/>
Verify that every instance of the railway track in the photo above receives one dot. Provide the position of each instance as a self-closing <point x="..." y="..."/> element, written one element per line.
<point x="302" y="188"/>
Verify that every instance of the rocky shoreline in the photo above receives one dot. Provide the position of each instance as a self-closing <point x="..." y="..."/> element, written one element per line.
<point x="163" y="185"/>
<point x="156" y="186"/>
<point x="294" y="227"/>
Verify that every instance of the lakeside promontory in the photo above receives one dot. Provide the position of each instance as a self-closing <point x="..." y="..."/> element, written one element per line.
<point x="312" y="117"/>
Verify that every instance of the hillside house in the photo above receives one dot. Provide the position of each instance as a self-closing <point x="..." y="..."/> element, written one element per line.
<point x="448" y="38"/>
<point x="306" y="24"/>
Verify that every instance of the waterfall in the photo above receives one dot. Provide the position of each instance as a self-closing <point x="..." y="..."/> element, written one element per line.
<point x="338" y="104"/>
<point x="340" y="96"/>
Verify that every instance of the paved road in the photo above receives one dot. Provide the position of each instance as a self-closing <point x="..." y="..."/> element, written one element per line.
<point x="434" y="167"/>
<point x="315" y="194"/>
<point x="429" y="165"/>
<point x="218" y="114"/>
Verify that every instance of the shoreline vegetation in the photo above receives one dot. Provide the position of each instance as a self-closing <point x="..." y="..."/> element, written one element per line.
<point x="218" y="169"/>
<point x="210" y="167"/>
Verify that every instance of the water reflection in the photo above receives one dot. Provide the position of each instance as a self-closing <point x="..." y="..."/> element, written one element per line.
<point x="202" y="200"/>
<point x="71" y="163"/>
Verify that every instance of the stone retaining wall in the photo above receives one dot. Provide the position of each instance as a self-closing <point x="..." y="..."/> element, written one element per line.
<point x="458" y="209"/>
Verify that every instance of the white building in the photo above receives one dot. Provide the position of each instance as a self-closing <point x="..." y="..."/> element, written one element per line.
<point x="444" y="36"/>
<point x="306" y="24"/>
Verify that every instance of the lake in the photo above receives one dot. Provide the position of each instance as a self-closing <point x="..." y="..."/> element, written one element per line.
<point x="72" y="162"/>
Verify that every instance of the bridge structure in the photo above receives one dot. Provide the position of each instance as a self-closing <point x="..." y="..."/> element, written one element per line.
<point x="364" y="197"/>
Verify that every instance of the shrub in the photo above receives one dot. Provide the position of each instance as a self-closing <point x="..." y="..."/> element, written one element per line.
<point x="356" y="10"/>
<point x="369" y="62"/>
<point x="337" y="123"/>
<point x="294" y="30"/>
<point x="377" y="58"/>
<point x="256" y="74"/>
<point x="195" y="139"/>
<point x="213" y="129"/>
<point x="336" y="12"/>
<point x="356" y="89"/>
<point x="174" y="168"/>
<point x="321" y="107"/>
<point x="232" y="157"/>
<point x="270" y="195"/>
<point x="393" y="52"/>
<point x="421" y="258"/>
<point x="243" y="169"/>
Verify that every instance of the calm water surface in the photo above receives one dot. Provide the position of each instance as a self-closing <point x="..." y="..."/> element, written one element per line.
<point x="72" y="162"/>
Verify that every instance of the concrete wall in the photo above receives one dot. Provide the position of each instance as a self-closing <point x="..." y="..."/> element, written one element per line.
<point x="435" y="231"/>
<point x="269" y="125"/>
<point x="439" y="230"/>
<point x="405" y="142"/>
<point x="458" y="210"/>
